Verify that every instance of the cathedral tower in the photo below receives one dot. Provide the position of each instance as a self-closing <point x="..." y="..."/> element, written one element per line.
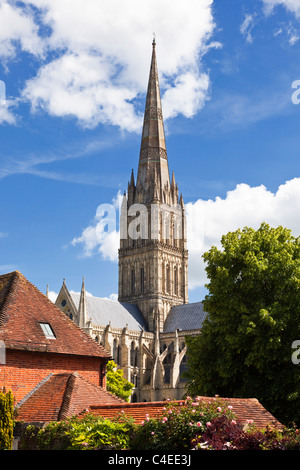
<point x="153" y="257"/>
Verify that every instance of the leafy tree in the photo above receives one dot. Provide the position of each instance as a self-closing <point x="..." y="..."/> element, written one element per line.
<point x="253" y="306"/>
<point x="116" y="383"/>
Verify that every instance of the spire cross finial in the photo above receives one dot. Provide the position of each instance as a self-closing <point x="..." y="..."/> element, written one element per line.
<point x="154" y="37"/>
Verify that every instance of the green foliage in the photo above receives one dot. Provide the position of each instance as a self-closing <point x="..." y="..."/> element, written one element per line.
<point x="253" y="318"/>
<point x="179" y="424"/>
<point x="6" y="420"/>
<point x="190" y="424"/>
<point x="86" y="433"/>
<point x="116" y="383"/>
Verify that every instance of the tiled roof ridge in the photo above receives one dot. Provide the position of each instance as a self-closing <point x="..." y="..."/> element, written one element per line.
<point x="63" y="413"/>
<point x="122" y="402"/>
<point x="11" y="290"/>
<point x="29" y="394"/>
<point x="18" y="276"/>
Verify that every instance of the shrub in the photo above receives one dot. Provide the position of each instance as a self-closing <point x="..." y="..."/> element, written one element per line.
<point x="6" y="420"/>
<point x="224" y="433"/>
<point x="178" y="425"/>
<point x="89" y="432"/>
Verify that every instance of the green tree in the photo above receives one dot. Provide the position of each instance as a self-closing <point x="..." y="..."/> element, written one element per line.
<point x="6" y="420"/>
<point x="253" y="306"/>
<point x="116" y="383"/>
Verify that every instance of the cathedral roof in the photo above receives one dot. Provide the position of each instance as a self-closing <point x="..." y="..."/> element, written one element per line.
<point x="185" y="317"/>
<point x="30" y="321"/>
<point x="104" y="311"/>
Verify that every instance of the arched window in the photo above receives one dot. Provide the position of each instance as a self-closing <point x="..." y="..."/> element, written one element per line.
<point x="175" y="281"/>
<point x="116" y="352"/>
<point x="168" y="280"/>
<point x="142" y="280"/>
<point x="133" y="355"/>
<point x="132" y="281"/>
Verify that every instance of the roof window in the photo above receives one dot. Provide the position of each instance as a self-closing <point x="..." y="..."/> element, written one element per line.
<point x="47" y="330"/>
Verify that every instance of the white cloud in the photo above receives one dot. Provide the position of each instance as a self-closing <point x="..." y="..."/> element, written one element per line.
<point x="244" y="206"/>
<point x="52" y="296"/>
<point x="188" y="94"/>
<point x="247" y="27"/>
<point x="96" y="60"/>
<point x="6" y="114"/>
<point x="291" y="5"/>
<point x="208" y="220"/>
<point x="102" y="237"/>
<point x="17" y="29"/>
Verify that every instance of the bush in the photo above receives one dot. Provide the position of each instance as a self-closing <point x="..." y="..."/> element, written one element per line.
<point x="6" y="420"/>
<point x="178" y="425"/>
<point x="89" y="432"/>
<point x="226" y="434"/>
<point x="190" y="424"/>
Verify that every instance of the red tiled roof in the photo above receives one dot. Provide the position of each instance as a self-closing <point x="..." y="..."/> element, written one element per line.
<point x="23" y="307"/>
<point x="243" y="408"/>
<point x="62" y="396"/>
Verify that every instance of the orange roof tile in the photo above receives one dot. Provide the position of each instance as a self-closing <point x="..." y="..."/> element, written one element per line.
<point x="61" y="396"/>
<point x="243" y="408"/>
<point x="23" y="307"/>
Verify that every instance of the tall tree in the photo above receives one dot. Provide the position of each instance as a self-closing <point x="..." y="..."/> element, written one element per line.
<point x="253" y="319"/>
<point x="116" y="383"/>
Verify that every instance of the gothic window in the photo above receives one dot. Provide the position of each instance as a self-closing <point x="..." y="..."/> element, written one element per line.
<point x="132" y="281"/>
<point x="133" y="355"/>
<point x="183" y="368"/>
<point x="142" y="280"/>
<point x="116" y="352"/>
<point x="163" y="278"/>
<point x="168" y="280"/>
<point x="167" y="367"/>
<point x="175" y="281"/>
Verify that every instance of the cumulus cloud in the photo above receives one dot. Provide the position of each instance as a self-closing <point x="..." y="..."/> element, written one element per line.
<point x="243" y="206"/>
<point x="18" y="29"/>
<point x="95" y="61"/>
<point x="208" y="220"/>
<point x="102" y="236"/>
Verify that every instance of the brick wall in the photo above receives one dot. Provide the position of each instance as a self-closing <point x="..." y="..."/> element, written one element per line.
<point x="23" y="370"/>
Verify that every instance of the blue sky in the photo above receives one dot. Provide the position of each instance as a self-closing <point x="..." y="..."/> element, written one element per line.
<point x="75" y="76"/>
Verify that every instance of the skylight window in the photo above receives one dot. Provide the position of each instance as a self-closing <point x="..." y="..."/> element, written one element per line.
<point x="47" y="330"/>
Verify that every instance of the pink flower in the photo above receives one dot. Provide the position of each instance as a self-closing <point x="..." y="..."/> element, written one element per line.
<point x="249" y="421"/>
<point x="164" y="419"/>
<point x="229" y="407"/>
<point x="142" y="423"/>
<point x="170" y="412"/>
<point x="233" y="422"/>
<point x="208" y="424"/>
<point x="193" y="411"/>
<point x="219" y="409"/>
<point x="152" y="433"/>
<point x="199" y="424"/>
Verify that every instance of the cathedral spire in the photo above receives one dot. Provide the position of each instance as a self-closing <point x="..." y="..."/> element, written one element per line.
<point x="82" y="309"/>
<point x="153" y="152"/>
